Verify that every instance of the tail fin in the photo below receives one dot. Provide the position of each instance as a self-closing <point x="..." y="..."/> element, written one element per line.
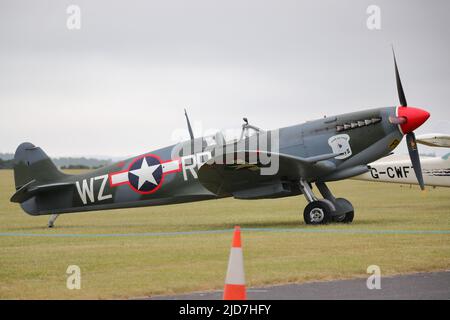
<point x="32" y="164"/>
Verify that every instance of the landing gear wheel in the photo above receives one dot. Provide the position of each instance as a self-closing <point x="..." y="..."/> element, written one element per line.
<point x="317" y="212"/>
<point x="347" y="207"/>
<point x="348" y="217"/>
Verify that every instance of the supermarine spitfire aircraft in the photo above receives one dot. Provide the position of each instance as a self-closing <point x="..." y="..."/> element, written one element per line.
<point x="261" y="164"/>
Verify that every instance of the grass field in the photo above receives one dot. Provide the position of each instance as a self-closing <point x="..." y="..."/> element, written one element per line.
<point x="136" y="266"/>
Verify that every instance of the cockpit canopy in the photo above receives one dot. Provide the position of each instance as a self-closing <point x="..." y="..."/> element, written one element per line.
<point x="220" y="138"/>
<point x="233" y="135"/>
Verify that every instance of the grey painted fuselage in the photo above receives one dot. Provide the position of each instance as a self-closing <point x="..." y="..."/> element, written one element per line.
<point x="369" y="135"/>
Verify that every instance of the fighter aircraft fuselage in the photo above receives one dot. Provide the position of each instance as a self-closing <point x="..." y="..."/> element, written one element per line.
<point x="362" y="137"/>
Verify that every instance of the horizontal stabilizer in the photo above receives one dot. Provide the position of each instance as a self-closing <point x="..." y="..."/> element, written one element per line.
<point x="29" y="190"/>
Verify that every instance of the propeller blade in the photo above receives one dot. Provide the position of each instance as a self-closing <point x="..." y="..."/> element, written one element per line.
<point x="415" y="159"/>
<point x="401" y="93"/>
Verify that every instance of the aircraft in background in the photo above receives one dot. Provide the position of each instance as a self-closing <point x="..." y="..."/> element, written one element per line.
<point x="398" y="169"/>
<point x="261" y="164"/>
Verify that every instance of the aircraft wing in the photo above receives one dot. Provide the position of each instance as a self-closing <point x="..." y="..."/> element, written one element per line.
<point x="243" y="178"/>
<point x="434" y="140"/>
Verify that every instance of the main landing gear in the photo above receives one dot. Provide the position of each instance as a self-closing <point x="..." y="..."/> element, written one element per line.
<point x="329" y="209"/>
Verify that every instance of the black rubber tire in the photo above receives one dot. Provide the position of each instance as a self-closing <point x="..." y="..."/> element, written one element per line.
<point x="348" y="216"/>
<point x="321" y="207"/>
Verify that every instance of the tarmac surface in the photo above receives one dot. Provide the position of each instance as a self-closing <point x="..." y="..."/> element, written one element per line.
<point x="418" y="286"/>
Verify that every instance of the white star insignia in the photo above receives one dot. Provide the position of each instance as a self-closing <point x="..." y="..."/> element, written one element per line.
<point x="145" y="173"/>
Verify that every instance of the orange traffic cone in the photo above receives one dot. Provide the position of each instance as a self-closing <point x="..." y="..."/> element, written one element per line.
<point x="235" y="280"/>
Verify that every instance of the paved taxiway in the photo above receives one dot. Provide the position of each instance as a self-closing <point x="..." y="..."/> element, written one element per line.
<point x="435" y="285"/>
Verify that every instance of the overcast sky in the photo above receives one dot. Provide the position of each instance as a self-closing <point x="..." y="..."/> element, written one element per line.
<point x="118" y="85"/>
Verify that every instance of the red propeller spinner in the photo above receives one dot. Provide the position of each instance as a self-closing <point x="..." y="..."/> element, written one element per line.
<point x="413" y="118"/>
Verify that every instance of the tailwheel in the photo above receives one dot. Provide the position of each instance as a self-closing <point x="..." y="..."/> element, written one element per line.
<point x="317" y="212"/>
<point x="51" y="221"/>
<point x="344" y="206"/>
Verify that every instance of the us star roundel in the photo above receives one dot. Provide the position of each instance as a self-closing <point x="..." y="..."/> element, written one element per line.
<point x="145" y="174"/>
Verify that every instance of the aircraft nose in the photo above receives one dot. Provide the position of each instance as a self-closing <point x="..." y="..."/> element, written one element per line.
<point x="415" y="117"/>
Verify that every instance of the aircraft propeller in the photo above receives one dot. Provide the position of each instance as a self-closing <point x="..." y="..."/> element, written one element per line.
<point x="410" y="119"/>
